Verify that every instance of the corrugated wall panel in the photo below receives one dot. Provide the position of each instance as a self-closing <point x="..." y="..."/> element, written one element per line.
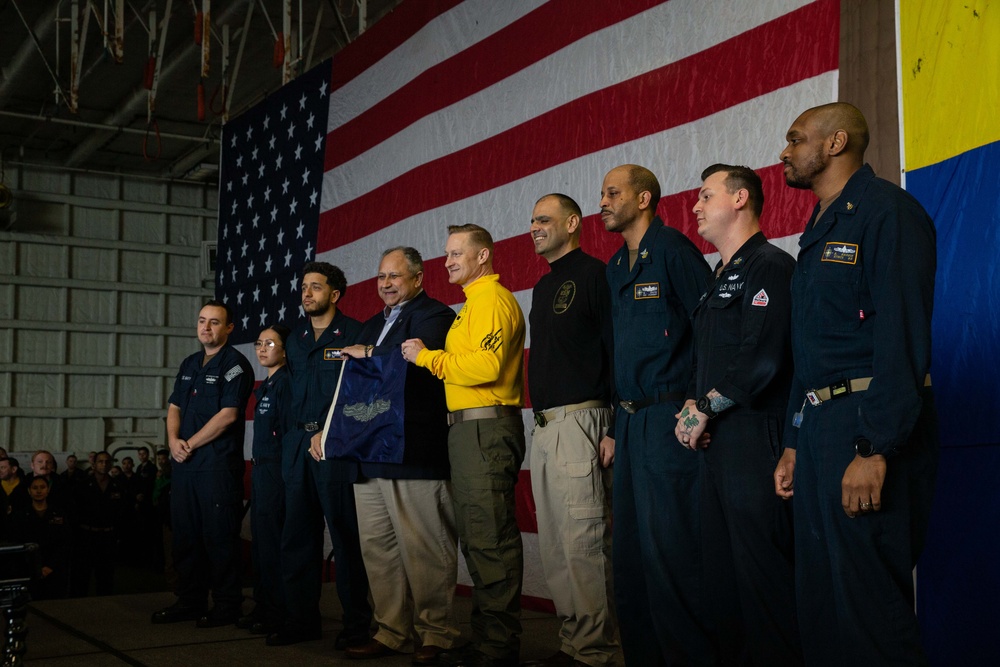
<point x="182" y="311"/>
<point x="94" y="223"/>
<point x="140" y="351"/>
<point x="30" y="434"/>
<point x="90" y="349"/>
<point x="144" y="227"/>
<point x="90" y="391"/>
<point x="140" y="393"/>
<point x="93" y="307"/>
<point x="7" y="264"/>
<point x="43" y="261"/>
<point x="37" y="390"/>
<point x="81" y="434"/>
<point x="141" y="309"/>
<point x="46" y="304"/>
<point x="145" y="268"/>
<point x="186" y="230"/>
<point x="184" y="271"/>
<point x="6" y="346"/>
<point x="96" y="185"/>
<point x="94" y="264"/>
<point x="179" y="349"/>
<point x="109" y="278"/>
<point x="40" y="347"/>
<point x="151" y="192"/>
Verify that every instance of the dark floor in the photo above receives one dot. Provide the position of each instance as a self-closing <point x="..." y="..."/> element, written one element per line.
<point x="106" y="631"/>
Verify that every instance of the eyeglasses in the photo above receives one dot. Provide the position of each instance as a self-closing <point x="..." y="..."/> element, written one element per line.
<point x="269" y="344"/>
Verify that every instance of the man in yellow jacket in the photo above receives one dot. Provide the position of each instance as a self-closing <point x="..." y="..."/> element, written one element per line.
<point x="482" y="368"/>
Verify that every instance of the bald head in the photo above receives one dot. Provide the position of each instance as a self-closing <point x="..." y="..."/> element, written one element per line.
<point x="841" y="116"/>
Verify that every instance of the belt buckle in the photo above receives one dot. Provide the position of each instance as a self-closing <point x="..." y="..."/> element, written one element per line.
<point x="815" y="400"/>
<point x="310" y="427"/>
<point x="540" y="419"/>
<point x="841" y="388"/>
<point x="628" y="406"/>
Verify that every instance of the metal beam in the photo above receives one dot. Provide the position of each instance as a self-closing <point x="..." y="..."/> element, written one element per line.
<point x="101" y="126"/>
<point x="136" y="102"/>
<point x="19" y="65"/>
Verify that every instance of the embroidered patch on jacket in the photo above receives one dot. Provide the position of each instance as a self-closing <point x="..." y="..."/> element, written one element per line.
<point x="492" y="341"/>
<point x="332" y="354"/>
<point x="760" y="299"/>
<point x="232" y="373"/>
<point x="841" y="253"/>
<point x="647" y="291"/>
<point x="564" y="297"/>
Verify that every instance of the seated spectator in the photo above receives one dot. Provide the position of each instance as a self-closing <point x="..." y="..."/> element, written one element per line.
<point x="100" y="504"/>
<point x="146" y="468"/>
<point x="161" y="505"/>
<point x="48" y="527"/>
<point x="43" y="466"/>
<point x="15" y="491"/>
<point x="72" y="475"/>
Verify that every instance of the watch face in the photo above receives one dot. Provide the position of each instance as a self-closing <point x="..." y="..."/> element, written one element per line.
<point x="863" y="447"/>
<point x="704" y="405"/>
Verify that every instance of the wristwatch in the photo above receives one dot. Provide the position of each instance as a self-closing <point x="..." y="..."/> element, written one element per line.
<point x="864" y="447"/>
<point x="704" y="406"/>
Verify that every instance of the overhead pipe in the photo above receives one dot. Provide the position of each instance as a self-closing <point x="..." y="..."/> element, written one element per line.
<point x="312" y="41"/>
<point x="239" y="60"/>
<point x="17" y="67"/>
<point x="130" y="106"/>
<point x="161" y="41"/>
<point x="288" y="66"/>
<point x="100" y="126"/>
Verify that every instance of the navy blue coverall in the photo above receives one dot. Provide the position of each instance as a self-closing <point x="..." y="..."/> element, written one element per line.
<point x="656" y="539"/>
<point x="267" y="509"/>
<point x="206" y="498"/>
<point x="862" y="297"/>
<point x="317" y="489"/>
<point x="743" y="350"/>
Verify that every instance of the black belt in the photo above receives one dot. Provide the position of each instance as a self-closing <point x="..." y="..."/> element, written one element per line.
<point x="308" y="427"/>
<point x="633" y="407"/>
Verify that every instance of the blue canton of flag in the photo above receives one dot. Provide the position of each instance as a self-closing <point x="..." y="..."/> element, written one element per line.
<point x="270" y="180"/>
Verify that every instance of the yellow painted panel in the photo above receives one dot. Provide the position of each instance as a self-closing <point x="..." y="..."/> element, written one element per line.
<point x="950" y="51"/>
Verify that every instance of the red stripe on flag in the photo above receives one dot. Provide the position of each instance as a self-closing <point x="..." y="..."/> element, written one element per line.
<point x="524" y="503"/>
<point x="612" y="116"/>
<point x="785" y="213"/>
<point x="533" y="39"/>
<point x="406" y="20"/>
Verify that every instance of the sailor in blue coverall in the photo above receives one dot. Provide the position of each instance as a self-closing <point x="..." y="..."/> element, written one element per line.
<point x="267" y="499"/>
<point x="862" y="441"/>
<point x="317" y="489"/>
<point x="656" y="280"/>
<point x="205" y="427"/>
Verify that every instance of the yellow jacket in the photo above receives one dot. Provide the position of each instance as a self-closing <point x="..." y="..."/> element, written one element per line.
<point x="482" y="362"/>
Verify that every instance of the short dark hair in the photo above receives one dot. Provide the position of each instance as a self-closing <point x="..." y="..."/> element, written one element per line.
<point x="163" y="452"/>
<point x="128" y="458"/>
<point x="642" y="179"/>
<point x="479" y="236"/>
<point x="739" y="177"/>
<point x="567" y="203"/>
<point x="282" y="331"/>
<point x="230" y="317"/>
<point x="334" y="276"/>
<point x="412" y="256"/>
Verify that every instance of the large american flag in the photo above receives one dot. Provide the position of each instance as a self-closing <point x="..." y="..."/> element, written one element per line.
<point x="447" y="112"/>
